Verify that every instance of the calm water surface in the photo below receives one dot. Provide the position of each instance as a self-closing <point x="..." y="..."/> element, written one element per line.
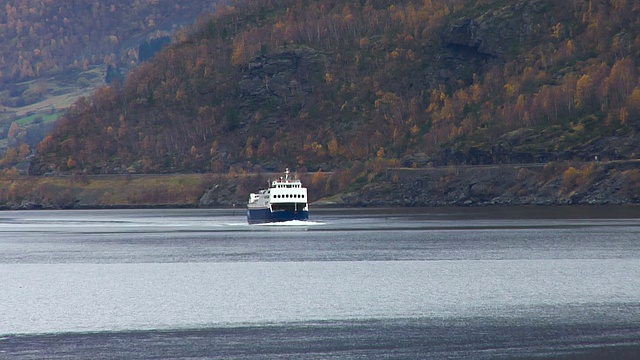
<point x="561" y="283"/>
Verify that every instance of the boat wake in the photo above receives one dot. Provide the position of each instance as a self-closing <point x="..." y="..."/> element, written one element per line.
<point x="292" y="223"/>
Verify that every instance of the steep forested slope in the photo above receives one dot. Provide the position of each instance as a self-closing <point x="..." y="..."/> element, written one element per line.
<point x="54" y="51"/>
<point x="361" y="85"/>
<point x="39" y="37"/>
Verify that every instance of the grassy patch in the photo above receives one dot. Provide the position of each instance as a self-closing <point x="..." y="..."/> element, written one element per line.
<point x="44" y="118"/>
<point x="71" y="191"/>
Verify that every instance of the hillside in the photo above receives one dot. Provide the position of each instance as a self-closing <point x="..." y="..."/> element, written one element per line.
<point x="366" y="85"/>
<point x="47" y="37"/>
<point x="55" y="51"/>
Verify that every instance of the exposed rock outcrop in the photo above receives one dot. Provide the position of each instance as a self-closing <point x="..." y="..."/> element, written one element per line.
<point x="492" y="32"/>
<point x="594" y="183"/>
<point x="281" y="77"/>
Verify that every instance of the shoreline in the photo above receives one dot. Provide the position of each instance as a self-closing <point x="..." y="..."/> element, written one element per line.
<point x="550" y="185"/>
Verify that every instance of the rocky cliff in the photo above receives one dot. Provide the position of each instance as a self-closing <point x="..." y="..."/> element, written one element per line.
<point x="492" y="33"/>
<point x="554" y="183"/>
<point x="284" y="75"/>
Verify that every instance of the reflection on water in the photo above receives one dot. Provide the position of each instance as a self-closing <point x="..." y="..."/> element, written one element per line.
<point x="477" y="281"/>
<point x="89" y="297"/>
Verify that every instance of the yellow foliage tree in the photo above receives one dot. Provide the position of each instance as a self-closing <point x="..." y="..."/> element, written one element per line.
<point x="238" y="54"/>
<point x="569" y="177"/>
<point x="633" y="102"/>
<point x="333" y="147"/>
<point x="23" y="151"/>
<point x="584" y="91"/>
<point x="71" y="163"/>
<point x="249" y="147"/>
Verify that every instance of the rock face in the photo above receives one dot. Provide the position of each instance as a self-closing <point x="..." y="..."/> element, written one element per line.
<point x="281" y="77"/>
<point x="592" y="183"/>
<point x="492" y="32"/>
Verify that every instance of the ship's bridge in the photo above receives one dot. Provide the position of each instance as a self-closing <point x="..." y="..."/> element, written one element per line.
<point x="287" y="193"/>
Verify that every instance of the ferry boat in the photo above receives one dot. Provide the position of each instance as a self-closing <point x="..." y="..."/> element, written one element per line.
<point x="284" y="200"/>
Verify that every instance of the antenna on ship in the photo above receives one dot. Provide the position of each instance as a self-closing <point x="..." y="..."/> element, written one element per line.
<point x="286" y="174"/>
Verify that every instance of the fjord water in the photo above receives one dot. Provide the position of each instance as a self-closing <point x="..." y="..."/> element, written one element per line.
<point x="391" y="283"/>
